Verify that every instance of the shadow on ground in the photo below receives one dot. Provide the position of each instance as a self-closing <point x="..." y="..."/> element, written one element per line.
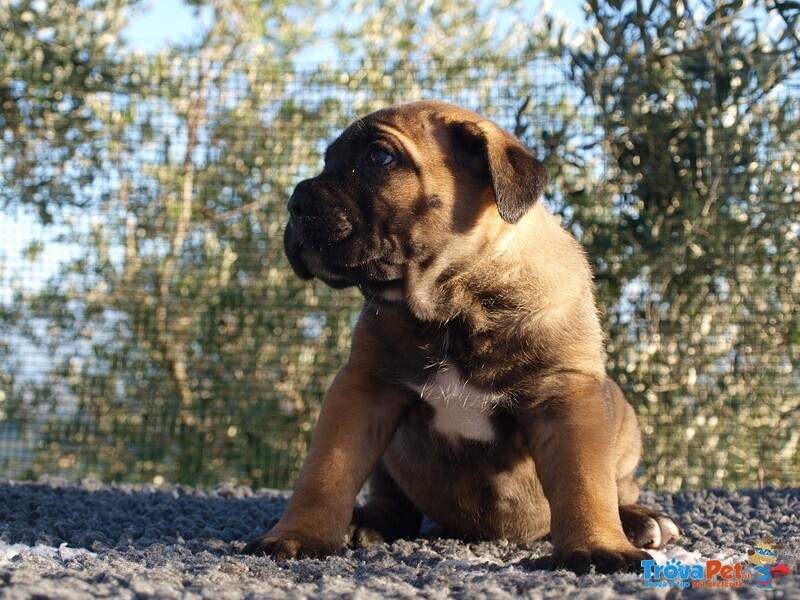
<point x="96" y="516"/>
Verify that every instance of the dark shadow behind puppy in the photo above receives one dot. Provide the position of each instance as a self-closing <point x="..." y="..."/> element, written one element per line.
<point x="476" y="390"/>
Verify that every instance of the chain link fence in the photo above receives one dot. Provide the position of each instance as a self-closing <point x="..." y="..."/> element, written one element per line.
<point x="151" y="330"/>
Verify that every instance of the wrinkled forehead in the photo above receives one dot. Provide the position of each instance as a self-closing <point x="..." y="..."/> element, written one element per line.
<point x="412" y="126"/>
<point x="380" y="126"/>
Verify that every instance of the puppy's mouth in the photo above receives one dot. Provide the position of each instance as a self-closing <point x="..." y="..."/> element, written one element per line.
<point x="376" y="277"/>
<point x="388" y="291"/>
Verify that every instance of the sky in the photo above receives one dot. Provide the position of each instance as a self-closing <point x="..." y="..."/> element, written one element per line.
<point x="162" y="22"/>
<point x="169" y="21"/>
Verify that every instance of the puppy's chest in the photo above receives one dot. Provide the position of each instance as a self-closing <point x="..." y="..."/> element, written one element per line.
<point x="462" y="410"/>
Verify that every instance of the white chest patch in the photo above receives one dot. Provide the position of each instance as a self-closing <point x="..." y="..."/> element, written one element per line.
<point x="462" y="410"/>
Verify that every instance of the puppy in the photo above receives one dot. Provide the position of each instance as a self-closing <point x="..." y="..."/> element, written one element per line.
<point x="476" y="390"/>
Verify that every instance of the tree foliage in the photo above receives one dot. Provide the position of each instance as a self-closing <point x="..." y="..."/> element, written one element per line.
<point x="699" y="115"/>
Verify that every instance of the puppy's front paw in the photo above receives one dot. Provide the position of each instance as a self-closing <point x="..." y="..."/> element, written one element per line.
<point x="281" y="546"/>
<point x="605" y="560"/>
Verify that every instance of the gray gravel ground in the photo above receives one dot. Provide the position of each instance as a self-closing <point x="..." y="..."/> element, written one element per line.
<point x="61" y="540"/>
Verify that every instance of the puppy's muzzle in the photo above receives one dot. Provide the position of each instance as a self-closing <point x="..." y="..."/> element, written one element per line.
<point x="315" y="234"/>
<point x="318" y="224"/>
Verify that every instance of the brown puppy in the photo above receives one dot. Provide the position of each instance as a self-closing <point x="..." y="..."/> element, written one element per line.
<point x="476" y="390"/>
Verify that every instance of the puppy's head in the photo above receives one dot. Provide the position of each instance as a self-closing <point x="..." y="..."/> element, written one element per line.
<point x="408" y="189"/>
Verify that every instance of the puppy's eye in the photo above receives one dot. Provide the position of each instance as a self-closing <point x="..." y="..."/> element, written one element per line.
<point x="378" y="157"/>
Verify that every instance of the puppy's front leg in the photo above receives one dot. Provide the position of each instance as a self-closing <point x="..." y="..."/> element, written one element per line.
<point x="358" y="419"/>
<point x="571" y="437"/>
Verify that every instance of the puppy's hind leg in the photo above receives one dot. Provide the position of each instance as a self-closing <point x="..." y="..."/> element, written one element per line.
<point x="644" y="527"/>
<point x="388" y="515"/>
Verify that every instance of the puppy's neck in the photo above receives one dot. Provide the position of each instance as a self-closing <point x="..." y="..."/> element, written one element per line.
<point x="503" y="271"/>
<point x="470" y="276"/>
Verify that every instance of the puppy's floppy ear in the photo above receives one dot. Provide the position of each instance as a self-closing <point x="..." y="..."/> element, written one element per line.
<point x="516" y="177"/>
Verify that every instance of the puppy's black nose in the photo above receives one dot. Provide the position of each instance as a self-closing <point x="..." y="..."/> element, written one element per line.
<point x="297" y="204"/>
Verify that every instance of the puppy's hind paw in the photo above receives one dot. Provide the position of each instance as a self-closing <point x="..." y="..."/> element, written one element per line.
<point x="646" y="528"/>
